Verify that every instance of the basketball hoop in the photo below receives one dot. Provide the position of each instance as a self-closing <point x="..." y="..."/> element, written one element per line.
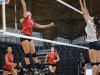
<point x="6" y="2"/>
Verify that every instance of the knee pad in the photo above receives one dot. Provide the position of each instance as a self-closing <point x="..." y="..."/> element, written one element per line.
<point x="93" y="64"/>
<point x="98" y="63"/>
<point x="34" y="55"/>
<point x="27" y="55"/>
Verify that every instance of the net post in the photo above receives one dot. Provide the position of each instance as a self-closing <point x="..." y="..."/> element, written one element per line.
<point x="3" y="15"/>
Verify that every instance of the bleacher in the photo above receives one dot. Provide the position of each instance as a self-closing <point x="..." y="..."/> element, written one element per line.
<point x="68" y="55"/>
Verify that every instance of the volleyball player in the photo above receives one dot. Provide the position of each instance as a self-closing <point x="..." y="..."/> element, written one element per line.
<point x="94" y="53"/>
<point x="53" y="59"/>
<point x="98" y="37"/>
<point x="27" y="44"/>
<point x="9" y="65"/>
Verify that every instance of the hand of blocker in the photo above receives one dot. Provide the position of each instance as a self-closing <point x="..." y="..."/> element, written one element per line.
<point x="80" y="2"/>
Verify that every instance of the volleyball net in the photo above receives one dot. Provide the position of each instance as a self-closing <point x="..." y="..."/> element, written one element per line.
<point x="44" y="13"/>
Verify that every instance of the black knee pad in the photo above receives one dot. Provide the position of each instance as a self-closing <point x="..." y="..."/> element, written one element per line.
<point x="93" y="64"/>
<point x="34" y="55"/>
<point x="27" y="55"/>
<point x="98" y="63"/>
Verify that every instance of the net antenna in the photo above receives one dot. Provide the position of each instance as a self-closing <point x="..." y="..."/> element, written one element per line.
<point x="4" y="32"/>
<point x="69" y="6"/>
<point x="15" y="17"/>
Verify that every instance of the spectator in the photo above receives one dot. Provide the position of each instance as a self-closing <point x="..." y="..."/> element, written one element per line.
<point x="81" y="60"/>
<point x="42" y="68"/>
<point x="20" y="69"/>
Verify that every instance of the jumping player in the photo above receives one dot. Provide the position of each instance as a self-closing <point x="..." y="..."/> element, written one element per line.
<point x="94" y="46"/>
<point x="27" y="44"/>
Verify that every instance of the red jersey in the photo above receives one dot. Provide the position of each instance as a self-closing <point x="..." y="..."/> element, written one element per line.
<point x="52" y="57"/>
<point x="28" y="25"/>
<point x="10" y="59"/>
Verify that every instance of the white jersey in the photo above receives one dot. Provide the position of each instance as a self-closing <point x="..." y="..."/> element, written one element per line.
<point x="91" y="32"/>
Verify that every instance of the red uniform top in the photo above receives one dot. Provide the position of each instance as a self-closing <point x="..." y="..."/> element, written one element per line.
<point x="28" y="24"/>
<point x="10" y="59"/>
<point x="52" y="57"/>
